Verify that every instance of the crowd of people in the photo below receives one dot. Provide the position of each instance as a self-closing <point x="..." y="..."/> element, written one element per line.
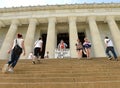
<point x="85" y="48"/>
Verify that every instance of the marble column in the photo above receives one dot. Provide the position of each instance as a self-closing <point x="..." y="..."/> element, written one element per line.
<point x="2" y="24"/>
<point x="73" y="35"/>
<point x="115" y="32"/>
<point x="8" y="39"/>
<point x="30" y="35"/>
<point x="50" y="43"/>
<point x="97" y="44"/>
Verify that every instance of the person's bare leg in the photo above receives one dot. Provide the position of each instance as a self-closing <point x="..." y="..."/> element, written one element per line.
<point x="80" y="54"/>
<point x="89" y="52"/>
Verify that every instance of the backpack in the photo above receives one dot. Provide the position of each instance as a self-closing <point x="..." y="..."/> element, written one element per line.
<point x="17" y="50"/>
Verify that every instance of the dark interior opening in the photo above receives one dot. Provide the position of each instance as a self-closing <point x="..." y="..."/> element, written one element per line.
<point x="64" y="37"/>
<point x="81" y="36"/>
<point x="44" y="36"/>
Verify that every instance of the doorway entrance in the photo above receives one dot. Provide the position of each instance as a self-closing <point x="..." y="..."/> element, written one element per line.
<point x="81" y="36"/>
<point x="64" y="37"/>
<point x="44" y="36"/>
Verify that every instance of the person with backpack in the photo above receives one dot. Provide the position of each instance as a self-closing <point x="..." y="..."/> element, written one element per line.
<point x="110" y="47"/>
<point x="15" y="51"/>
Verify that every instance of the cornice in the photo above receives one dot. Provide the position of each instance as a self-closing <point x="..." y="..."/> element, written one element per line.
<point x="60" y="7"/>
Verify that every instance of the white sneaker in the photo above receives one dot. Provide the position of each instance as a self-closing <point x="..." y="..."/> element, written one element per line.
<point x="110" y="58"/>
<point x="10" y="70"/>
<point x="5" y="68"/>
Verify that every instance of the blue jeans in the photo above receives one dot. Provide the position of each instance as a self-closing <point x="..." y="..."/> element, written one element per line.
<point x="13" y="59"/>
<point x="112" y="50"/>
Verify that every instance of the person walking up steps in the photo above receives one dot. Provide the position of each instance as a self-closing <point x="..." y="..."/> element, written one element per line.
<point x="37" y="50"/>
<point x="15" y="52"/>
<point x="110" y="47"/>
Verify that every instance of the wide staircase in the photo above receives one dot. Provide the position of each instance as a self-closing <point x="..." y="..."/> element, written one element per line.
<point x="63" y="73"/>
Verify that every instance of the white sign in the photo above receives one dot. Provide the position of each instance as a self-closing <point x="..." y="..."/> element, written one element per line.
<point x="62" y="54"/>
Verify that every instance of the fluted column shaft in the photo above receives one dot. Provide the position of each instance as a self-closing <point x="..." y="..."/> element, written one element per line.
<point x="97" y="45"/>
<point x="8" y="39"/>
<point x="29" y="39"/>
<point x="73" y="36"/>
<point x="115" y="32"/>
<point x="1" y="24"/>
<point x="50" y="43"/>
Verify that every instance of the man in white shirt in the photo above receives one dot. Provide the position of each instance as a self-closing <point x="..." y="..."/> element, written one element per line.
<point x="110" y="47"/>
<point x="37" y="50"/>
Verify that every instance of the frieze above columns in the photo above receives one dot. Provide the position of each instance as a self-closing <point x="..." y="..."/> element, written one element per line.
<point x="59" y="7"/>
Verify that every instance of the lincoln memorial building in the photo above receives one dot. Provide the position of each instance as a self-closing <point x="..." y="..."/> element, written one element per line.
<point x="61" y="22"/>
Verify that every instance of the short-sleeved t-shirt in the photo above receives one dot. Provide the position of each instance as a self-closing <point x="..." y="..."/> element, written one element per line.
<point x="38" y="43"/>
<point x="108" y="42"/>
<point x="19" y="42"/>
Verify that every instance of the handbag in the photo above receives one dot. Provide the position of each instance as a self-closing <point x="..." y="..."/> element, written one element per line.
<point x="17" y="49"/>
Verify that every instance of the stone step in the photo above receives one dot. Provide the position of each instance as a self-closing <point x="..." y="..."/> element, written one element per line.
<point x="62" y="60"/>
<point x="58" y="79"/>
<point x="66" y="66"/>
<point x="63" y="73"/>
<point x="94" y="84"/>
<point x="17" y="71"/>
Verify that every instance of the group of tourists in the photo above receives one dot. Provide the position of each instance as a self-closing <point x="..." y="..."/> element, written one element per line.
<point x="86" y="48"/>
<point x="83" y="48"/>
<point x="18" y="45"/>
